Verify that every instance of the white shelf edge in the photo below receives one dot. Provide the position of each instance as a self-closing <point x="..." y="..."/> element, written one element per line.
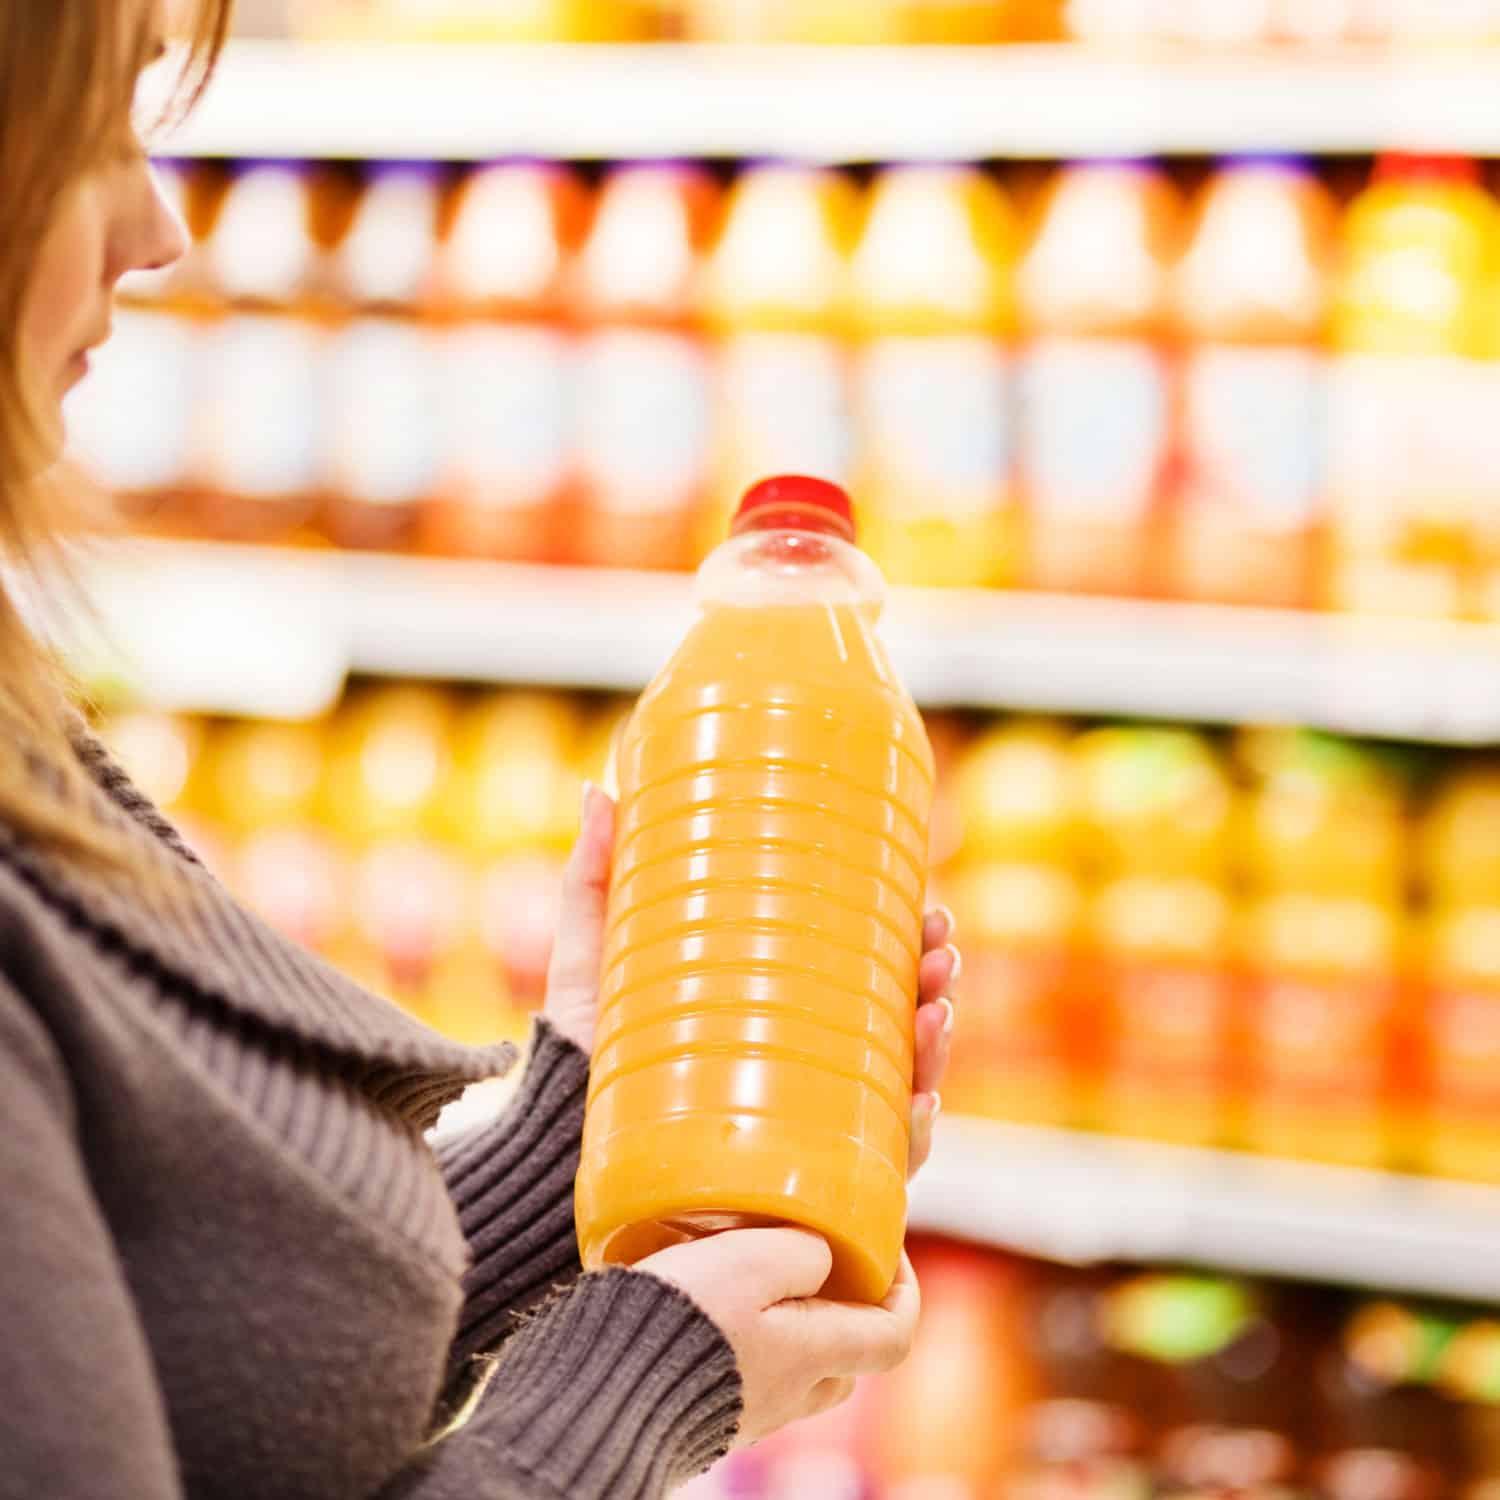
<point x="243" y="629"/>
<point x="396" y="100"/>
<point x="1090" y="1199"/>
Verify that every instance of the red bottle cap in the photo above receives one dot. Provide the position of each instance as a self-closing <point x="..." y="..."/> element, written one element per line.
<point x="793" y="502"/>
<point x="1410" y="166"/>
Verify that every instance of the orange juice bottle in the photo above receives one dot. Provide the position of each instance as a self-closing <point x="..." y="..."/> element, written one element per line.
<point x="1461" y="1035"/>
<point x="933" y="287"/>
<point x="1252" y="297"/>
<point x="1408" y="462"/>
<point x="384" y="436"/>
<point x="263" y="418"/>
<point x="952" y="23"/>
<point x="1165" y="1034"/>
<point x="1460" y="1029"/>
<point x="755" y="1044"/>
<point x="507" y="376"/>
<point x="643" y="430"/>
<point x="1321" y="1026"/>
<point x="776" y="296"/>
<point x="1096" y="403"/>
<point x="1019" y="904"/>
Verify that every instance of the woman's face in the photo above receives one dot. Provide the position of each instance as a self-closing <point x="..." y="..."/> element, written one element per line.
<point x="111" y="222"/>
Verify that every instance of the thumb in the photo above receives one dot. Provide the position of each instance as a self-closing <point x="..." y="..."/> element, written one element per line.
<point x="765" y="1266"/>
<point x="578" y="950"/>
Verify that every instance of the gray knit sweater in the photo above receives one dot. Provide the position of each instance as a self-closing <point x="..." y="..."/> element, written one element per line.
<point x="232" y="1268"/>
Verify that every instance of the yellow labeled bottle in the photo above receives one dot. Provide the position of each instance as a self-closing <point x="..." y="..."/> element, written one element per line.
<point x="753" y="1060"/>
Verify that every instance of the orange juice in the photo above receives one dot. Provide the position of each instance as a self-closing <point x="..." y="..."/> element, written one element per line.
<point x="507" y="370"/>
<point x="755" y="1044"/>
<point x="1320" y="1028"/>
<point x="384" y="429"/>
<point x="1251" y="299"/>
<point x="1096" y="392"/>
<point x="933" y="286"/>
<point x="259" y="448"/>
<point x="644" y="407"/>
<point x="1410" y="423"/>
<point x="1462" y="1044"/>
<point x="776" y="295"/>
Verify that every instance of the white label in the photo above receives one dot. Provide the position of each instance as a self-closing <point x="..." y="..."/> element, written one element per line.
<point x="264" y="420"/>
<point x="1095" y="421"/>
<point x="644" y="418"/>
<point x="1413" y="440"/>
<point x="129" y="423"/>
<point x="383" y="428"/>
<point x="786" y="406"/>
<point x="936" y="419"/>
<point x="506" y="396"/>
<point x="1254" y="427"/>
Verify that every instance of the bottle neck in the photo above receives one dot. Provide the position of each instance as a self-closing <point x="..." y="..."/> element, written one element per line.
<point x="785" y="567"/>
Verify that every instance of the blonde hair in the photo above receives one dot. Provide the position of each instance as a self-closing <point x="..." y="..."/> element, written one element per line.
<point x="68" y="75"/>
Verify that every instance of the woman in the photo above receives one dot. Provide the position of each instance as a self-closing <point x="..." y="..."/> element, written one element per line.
<point x="231" y="1265"/>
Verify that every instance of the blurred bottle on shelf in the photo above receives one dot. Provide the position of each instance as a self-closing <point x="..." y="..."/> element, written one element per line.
<point x="1019" y="906"/>
<point x="1387" y="1429"/>
<point x="1251" y="300"/>
<point x="948" y="1420"/>
<point x="507" y="369"/>
<point x="389" y="764"/>
<point x="264" y="781"/>
<point x="384" y="438"/>
<point x="1409" y="459"/>
<point x="1110" y="22"/>
<point x="1320" y="1025"/>
<point x="933" y="289"/>
<point x="644" y="406"/>
<point x="1158" y="809"/>
<point x="264" y="412"/>
<point x="1096" y="400"/>
<point x="480" y="20"/>
<point x="952" y="23"/>
<point x="777" y="300"/>
<point x="1214" y="23"/>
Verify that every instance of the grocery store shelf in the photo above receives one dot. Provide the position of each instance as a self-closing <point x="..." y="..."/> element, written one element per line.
<point x="388" y="100"/>
<point x="1090" y="1199"/>
<point x="256" y="631"/>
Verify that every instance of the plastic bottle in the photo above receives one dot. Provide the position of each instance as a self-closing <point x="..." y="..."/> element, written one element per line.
<point x="1215" y="23"/>
<point x="1019" y="904"/>
<point x="507" y="376"/>
<point x="1409" y="459"/>
<point x="933" y="287"/>
<point x="1252" y="301"/>
<point x="1460" y="1038"/>
<point x="765" y="914"/>
<point x="1096" y="407"/>
<point x="1112" y="23"/>
<point x="385" y="437"/>
<point x="259" y="453"/>
<point x="777" y="298"/>
<point x="644" y="407"/>
<point x="1320" y="1028"/>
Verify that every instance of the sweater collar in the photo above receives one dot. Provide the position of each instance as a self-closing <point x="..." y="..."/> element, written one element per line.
<point x="181" y="922"/>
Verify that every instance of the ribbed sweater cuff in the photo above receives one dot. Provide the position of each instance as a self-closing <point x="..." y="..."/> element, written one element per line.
<point x="512" y="1184"/>
<point x="620" y="1388"/>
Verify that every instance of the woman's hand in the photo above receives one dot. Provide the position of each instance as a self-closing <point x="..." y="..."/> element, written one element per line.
<point x="797" y="1354"/>
<point x="578" y="956"/>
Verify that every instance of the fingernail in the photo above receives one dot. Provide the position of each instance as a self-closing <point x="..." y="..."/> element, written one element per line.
<point x="583" y="806"/>
<point x="951" y="1017"/>
<point x="958" y="960"/>
<point x="937" y="1104"/>
<point x="946" y="913"/>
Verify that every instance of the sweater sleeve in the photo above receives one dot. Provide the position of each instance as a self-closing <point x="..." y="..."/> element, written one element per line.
<point x="512" y="1184"/>
<point x="80" y="1411"/>
<point x="619" y="1389"/>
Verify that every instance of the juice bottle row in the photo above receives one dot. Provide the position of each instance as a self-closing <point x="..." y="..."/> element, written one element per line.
<point x="1282" y="942"/>
<point x="1285" y="943"/>
<point x="1203" y="23"/>
<point x="1262" y="385"/>
<point x="1032" y="1382"/>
